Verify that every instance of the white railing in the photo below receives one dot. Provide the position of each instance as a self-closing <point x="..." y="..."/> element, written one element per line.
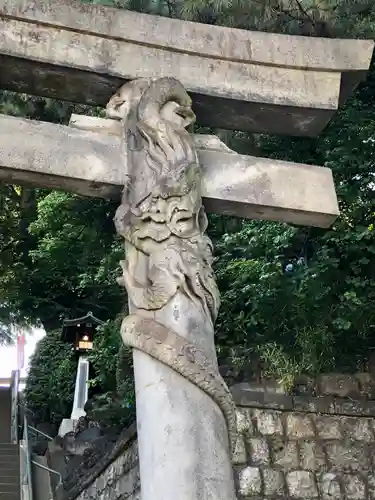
<point x="26" y="489"/>
<point x="14" y="387"/>
<point x="26" y="479"/>
<point x="26" y="461"/>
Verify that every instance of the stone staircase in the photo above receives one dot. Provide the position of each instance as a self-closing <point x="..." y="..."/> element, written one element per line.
<point x="9" y="453"/>
<point x="9" y="472"/>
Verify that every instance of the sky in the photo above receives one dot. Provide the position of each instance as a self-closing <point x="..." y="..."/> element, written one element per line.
<point x="8" y="355"/>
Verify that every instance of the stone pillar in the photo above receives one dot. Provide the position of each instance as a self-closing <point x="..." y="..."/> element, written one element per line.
<point x="81" y="388"/>
<point x="80" y="397"/>
<point x="185" y="414"/>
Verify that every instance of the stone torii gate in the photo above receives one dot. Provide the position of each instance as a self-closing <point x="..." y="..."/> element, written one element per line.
<point x="184" y="409"/>
<point x="143" y="154"/>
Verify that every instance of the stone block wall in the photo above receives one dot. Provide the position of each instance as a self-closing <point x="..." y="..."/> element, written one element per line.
<point x="317" y="442"/>
<point x="118" y="481"/>
<point x="297" y="455"/>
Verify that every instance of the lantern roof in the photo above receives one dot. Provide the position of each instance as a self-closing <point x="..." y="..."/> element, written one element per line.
<point x="76" y="326"/>
<point x="88" y="318"/>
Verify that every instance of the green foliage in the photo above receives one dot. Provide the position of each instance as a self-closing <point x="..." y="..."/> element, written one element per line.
<point x="319" y="316"/>
<point x="49" y="389"/>
<point x="112" y="365"/>
<point x="30" y="291"/>
<point x="324" y="18"/>
<point x="70" y="263"/>
<point x="75" y="259"/>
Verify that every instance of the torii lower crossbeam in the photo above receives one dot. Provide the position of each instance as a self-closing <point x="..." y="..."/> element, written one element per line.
<point x="85" y="159"/>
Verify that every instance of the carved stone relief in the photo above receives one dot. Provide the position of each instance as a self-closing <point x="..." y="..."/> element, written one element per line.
<point x="163" y="223"/>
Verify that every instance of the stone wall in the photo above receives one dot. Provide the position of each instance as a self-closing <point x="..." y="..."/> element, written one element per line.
<point x="317" y="442"/>
<point x="119" y="481"/>
<point x="285" y="454"/>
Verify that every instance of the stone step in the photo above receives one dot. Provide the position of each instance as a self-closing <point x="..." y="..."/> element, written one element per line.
<point x="11" y="487"/>
<point x="11" y="470"/>
<point x="10" y="481"/>
<point x="9" y="457"/>
<point x="9" y="449"/>
<point x="9" y="454"/>
<point x="9" y="496"/>
<point x="9" y="462"/>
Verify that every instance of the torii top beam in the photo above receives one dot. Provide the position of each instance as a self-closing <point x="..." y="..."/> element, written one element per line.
<point x="254" y="81"/>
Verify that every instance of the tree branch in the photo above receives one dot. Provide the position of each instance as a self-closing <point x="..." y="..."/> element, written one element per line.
<point x="304" y="12"/>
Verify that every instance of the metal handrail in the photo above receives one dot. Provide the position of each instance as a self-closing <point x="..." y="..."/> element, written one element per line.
<point x="40" y="432"/>
<point x="14" y="408"/>
<point x="48" y="469"/>
<point x="27" y="481"/>
<point x="26" y="408"/>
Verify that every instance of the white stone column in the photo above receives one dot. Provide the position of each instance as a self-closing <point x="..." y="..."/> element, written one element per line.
<point x="81" y="388"/>
<point x="184" y="409"/>
<point x="182" y="435"/>
<point x="80" y="397"/>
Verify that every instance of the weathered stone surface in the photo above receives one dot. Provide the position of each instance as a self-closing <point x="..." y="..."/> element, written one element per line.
<point x="357" y="429"/>
<point x="239" y="455"/>
<point x="329" y="486"/>
<point x="349" y="406"/>
<point x="302" y="484"/>
<point x="312" y="456"/>
<point x="269" y="423"/>
<point x="338" y="385"/>
<point x="311" y="405"/>
<point x="119" y="480"/>
<point x="308" y="391"/>
<point x="184" y="452"/>
<point x="92" y="467"/>
<point x="90" y="163"/>
<point x="371" y="485"/>
<point x="233" y="196"/>
<point x="327" y="427"/>
<point x="84" y="52"/>
<point x="284" y="453"/>
<point x="299" y="426"/>
<point x="304" y="384"/>
<point x="244" y="423"/>
<point x="347" y="456"/>
<point x="259" y="399"/>
<point x="270" y="386"/>
<point x="274" y="483"/>
<point x="366" y="384"/>
<point x="192" y="37"/>
<point x="259" y="451"/>
<point x="354" y="487"/>
<point x="250" y="481"/>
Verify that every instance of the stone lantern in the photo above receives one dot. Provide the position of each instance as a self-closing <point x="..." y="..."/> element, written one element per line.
<point x="80" y="333"/>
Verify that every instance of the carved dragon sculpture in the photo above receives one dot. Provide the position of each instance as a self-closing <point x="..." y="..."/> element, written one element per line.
<point x="163" y="223"/>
